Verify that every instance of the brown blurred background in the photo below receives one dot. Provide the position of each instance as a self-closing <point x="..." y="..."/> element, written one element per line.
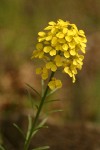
<point x="20" y="21"/>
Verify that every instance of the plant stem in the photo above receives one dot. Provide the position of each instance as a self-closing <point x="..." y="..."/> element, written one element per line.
<point x="27" y="142"/>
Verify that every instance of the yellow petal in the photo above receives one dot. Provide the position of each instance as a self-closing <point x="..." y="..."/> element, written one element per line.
<point x="58" y="61"/>
<point x="58" y="84"/>
<point x="39" y="46"/>
<point x="44" y="76"/>
<point x="72" y="45"/>
<point x="41" y="54"/>
<point x="67" y="70"/>
<point x="74" y="62"/>
<point x="60" y="35"/>
<point x="52" y="23"/>
<point x="70" y="33"/>
<point x="54" y="30"/>
<point x="48" y="38"/>
<point x="41" y="39"/>
<point x="73" y="69"/>
<point x="53" y="52"/>
<point x="38" y="70"/>
<point x="42" y="34"/>
<point x="61" y="40"/>
<point x="74" y="78"/>
<point x="65" y="47"/>
<point x="47" y="49"/>
<point x="54" y="41"/>
<point x="48" y="65"/>
<point x="68" y="38"/>
<point x="75" y="27"/>
<point x="58" y="47"/>
<point x="81" y="57"/>
<point x="65" y="30"/>
<point x="81" y="32"/>
<point x="66" y="54"/>
<point x="83" y="49"/>
<point x="53" y="68"/>
<point x="51" y="85"/>
<point x="62" y="23"/>
<point x="76" y="39"/>
<point x="48" y="28"/>
<point x="45" y="70"/>
<point x="72" y="52"/>
<point x="80" y="62"/>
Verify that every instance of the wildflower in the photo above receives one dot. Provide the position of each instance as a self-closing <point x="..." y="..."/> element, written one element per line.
<point x="60" y="46"/>
<point x="43" y="72"/>
<point x="54" y="84"/>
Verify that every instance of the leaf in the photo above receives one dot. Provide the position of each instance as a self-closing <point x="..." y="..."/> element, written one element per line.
<point x="53" y="100"/>
<point x="19" y="129"/>
<point x="2" y="148"/>
<point x="41" y="125"/>
<point x="29" y="127"/>
<point x="42" y="148"/>
<point x="53" y="111"/>
<point x="33" y="89"/>
<point x="43" y="122"/>
<point x="38" y="128"/>
<point x="52" y="92"/>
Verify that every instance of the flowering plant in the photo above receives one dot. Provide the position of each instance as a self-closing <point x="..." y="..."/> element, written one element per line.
<point x="60" y="46"/>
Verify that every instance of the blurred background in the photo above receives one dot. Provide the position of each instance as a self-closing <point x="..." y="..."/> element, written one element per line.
<point x="20" y="21"/>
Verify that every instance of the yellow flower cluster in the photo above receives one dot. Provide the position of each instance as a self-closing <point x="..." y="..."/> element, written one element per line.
<point x="60" y="45"/>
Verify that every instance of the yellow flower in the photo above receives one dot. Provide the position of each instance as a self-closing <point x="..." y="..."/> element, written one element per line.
<point x="52" y="66"/>
<point x="41" y="34"/>
<point x="47" y="49"/>
<point x="38" y="70"/>
<point x="60" y="45"/>
<point x="38" y="54"/>
<point x="68" y="71"/>
<point x="43" y="72"/>
<point x="54" y="84"/>
<point x="60" y="35"/>
<point x="58" y="60"/>
<point x="73" y="52"/>
<point x="65" y="47"/>
<point x="66" y="54"/>
<point x="54" y="41"/>
<point x="39" y="46"/>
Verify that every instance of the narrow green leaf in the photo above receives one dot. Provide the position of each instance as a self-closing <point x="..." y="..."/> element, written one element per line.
<point x="53" y="91"/>
<point x="29" y="127"/>
<point x="53" y="100"/>
<point x="41" y="125"/>
<point x="54" y="111"/>
<point x="19" y="129"/>
<point x="38" y="128"/>
<point x="33" y="89"/>
<point x="42" y="148"/>
<point x="43" y="122"/>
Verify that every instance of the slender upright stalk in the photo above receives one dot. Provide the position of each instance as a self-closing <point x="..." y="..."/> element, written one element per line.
<point x="27" y="142"/>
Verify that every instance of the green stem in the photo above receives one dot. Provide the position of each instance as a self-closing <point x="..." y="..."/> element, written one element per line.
<point x="27" y="142"/>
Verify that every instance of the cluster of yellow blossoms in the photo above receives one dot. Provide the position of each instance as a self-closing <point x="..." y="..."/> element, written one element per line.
<point x="60" y="45"/>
